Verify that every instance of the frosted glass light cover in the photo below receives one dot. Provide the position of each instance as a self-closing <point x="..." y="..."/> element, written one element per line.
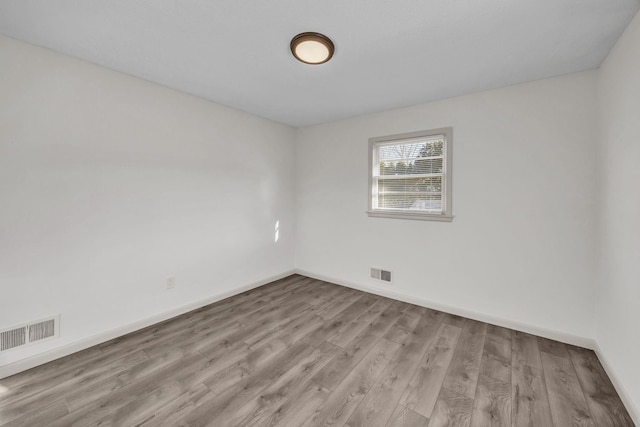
<point x="312" y="51"/>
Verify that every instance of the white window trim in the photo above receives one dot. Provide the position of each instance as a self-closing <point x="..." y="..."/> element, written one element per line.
<point x="446" y="215"/>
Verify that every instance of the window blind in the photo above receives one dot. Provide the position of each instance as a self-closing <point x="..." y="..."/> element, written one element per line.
<point x="409" y="175"/>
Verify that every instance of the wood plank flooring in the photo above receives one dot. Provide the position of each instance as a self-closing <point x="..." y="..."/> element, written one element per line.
<point x="303" y="352"/>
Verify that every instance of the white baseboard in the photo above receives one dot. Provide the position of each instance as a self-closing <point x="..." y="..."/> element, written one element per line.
<point x="615" y="379"/>
<point x="65" y="350"/>
<point x="483" y="317"/>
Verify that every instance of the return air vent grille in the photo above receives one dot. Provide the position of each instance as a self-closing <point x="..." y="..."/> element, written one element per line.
<point x="42" y="330"/>
<point x="32" y="332"/>
<point x="13" y="338"/>
<point x="379" y="274"/>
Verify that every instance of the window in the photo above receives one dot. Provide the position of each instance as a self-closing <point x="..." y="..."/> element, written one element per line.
<point x="410" y="175"/>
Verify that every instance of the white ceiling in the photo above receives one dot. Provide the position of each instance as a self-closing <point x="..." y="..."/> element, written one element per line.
<point x="388" y="53"/>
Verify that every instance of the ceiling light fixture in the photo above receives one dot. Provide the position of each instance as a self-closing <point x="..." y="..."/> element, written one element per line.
<point x="312" y="48"/>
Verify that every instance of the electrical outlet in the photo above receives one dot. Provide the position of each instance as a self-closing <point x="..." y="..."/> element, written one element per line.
<point x="171" y="282"/>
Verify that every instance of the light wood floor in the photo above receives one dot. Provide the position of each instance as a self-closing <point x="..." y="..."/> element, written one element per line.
<point x="301" y="352"/>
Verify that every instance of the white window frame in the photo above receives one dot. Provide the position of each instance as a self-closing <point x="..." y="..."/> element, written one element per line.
<point x="446" y="213"/>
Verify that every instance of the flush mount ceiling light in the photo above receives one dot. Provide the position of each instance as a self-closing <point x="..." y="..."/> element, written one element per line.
<point x="312" y="48"/>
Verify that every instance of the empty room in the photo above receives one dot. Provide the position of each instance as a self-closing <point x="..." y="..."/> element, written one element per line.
<point x="341" y="213"/>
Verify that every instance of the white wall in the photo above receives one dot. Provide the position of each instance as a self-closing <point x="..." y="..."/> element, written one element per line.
<point x="520" y="250"/>
<point x="618" y="315"/>
<point x="109" y="184"/>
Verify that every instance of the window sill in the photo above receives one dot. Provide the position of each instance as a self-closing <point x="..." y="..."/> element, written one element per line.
<point x="409" y="215"/>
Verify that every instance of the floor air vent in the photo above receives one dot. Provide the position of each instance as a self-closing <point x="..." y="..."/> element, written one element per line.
<point x="32" y="332"/>
<point x="384" y="275"/>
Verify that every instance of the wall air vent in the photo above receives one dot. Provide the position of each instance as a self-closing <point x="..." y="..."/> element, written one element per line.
<point x="380" y="274"/>
<point x="13" y="338"/>
<point x="22" y="335"/>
